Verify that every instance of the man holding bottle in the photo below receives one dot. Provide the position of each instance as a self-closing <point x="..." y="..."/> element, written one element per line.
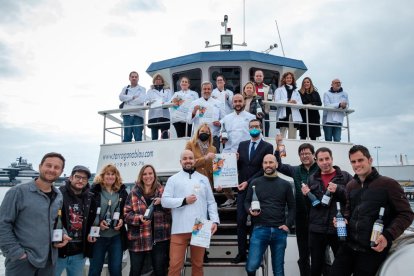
<point x="270" y="224"/>
<point x="27" y="214"/>
<point x="328" y="185"/>
<point x="78" y="213"/>
<point x="367" y="193"/>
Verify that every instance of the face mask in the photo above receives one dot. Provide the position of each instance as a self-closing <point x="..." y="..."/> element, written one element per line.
<point x="204" y="136"/>
<point x="158" y="86"/>
<point x="254" y="132"/>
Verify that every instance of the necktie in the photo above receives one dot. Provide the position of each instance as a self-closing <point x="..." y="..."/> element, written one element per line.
<point x="252" y="150"/>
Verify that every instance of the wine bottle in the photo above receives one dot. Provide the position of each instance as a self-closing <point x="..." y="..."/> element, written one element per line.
<point x="326" y="199"/>
<point x="108" y="217"/>
<point x="282" y="150"/>
<point x="255" y="205"/>
<point x="224" y="135"/>
<point x="117" y="213"/>
<point x="58" y="229"/>
<point x="340" y="223"/>
<point x="377" y="228"/>
<point x="95" y="226"/>
<point x="270" y="95"/>
<point x="259" y="109"/>
<point x="313" y="199"/>
<point x="150" y="211"/>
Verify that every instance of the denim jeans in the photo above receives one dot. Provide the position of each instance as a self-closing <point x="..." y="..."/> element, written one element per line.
<point x="332" y="132"/>
<point x="130" y="122"/>
<point x="261" y="238"/>
<point x="73" y="264"/>
<point x="111" y="245"/>
<point x="159" y="259"/>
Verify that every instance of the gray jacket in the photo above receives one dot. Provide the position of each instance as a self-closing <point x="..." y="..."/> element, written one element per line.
<point x="27" y="218"/>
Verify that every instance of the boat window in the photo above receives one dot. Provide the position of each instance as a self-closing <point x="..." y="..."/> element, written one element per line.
<point x="195" y="79"/>
<point x="231" y="74"/>
<point x="270" y="77"/>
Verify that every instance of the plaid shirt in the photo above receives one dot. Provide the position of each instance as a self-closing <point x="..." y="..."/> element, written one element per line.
<point x="142" y="237"/>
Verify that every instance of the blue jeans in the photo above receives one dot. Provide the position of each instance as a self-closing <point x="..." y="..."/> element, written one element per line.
<point x="111" y="245"/>
<point x="261" y="238"/>
<point x="130" y="122"/>
<point x="73" y="264"/>
<point x="332" y="132"/>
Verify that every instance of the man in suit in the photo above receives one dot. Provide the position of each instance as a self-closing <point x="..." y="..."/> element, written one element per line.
<point x="250" y="158"/>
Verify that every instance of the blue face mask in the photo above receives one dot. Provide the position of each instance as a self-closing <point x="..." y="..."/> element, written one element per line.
<point x="254" y="132"/>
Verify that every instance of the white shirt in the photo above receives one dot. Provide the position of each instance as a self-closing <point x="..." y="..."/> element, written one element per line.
<point x="179" y="186"/>
<point x="184" y="98"/>
<point x="211" y="111"/>
<point x="281" y="97"/>
<point x="165" y="96"/>
<point x="237" y="127"/>
<point x="222" y="97"/>
<point x="331" y="99"/>
<point x="130" y="102"/>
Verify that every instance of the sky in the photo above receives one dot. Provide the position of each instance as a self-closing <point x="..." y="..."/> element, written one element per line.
<point x="63" y="61"/>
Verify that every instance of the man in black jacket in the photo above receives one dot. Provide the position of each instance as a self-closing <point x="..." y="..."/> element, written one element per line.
<point x="328" y="179"/>
<point x="250" y="158"/>
<point x="78" y="213"/>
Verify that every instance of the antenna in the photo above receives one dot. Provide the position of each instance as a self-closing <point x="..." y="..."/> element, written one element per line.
<point x="226" y="39"/>
<point x="280" y="38"/>
<point x="271" y="47"/>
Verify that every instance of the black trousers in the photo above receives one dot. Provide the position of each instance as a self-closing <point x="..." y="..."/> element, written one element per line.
<point x="159" y="259"/>
<point x="348" y="261"/>
<point x="317" y="245"/>
<point x="302" y="239"/>
<point x="241" y="223"/>
<point x="180" y="129"/>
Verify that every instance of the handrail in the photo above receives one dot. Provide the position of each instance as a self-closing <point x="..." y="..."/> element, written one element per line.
<point x="347" y="111"/>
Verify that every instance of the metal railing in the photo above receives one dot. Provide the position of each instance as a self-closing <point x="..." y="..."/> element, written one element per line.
<point x="110" y="114"/>
<point x="347" y="111"/>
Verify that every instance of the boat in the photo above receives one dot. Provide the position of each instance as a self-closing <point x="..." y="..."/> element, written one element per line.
<point x="17" y="172"/>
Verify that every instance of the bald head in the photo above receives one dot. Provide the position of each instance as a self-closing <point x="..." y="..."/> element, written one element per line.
<point x="238" y="103"/>
<point x="269" y="164"/>
<point x="187" y="160"/>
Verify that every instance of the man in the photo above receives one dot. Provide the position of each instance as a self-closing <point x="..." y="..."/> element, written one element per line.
<point x="263" y="90"/>
<point x="300" y="174"/>
<point x="270" y="223"/>
<point x="366" y="194"/>
<point x="225" y="96"/>
<point x="189" y="195"/>
<point x="236" y="125"/>
<point x="133" y="96"/>
<point x="332" y="121"/>
<point x="27" y="216"/>
<point x="250" y="158"/>
<point x="207" y="110"/>
<point x="328" y="178"/>
<point x="78" y="214"/>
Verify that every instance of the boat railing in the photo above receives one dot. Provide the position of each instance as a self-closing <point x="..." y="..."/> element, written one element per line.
<point x="118" y="128"/>
<point x="307" y="107"/>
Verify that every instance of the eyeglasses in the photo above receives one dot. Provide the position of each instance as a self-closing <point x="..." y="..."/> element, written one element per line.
<point x="78" y="177"/>
<point x="305" y="154"/>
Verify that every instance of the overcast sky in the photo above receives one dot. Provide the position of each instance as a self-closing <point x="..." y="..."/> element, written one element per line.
<point x="63" y="61"/>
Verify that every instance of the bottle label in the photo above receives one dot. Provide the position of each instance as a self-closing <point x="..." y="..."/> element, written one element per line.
<point x="255" y="206"/>
<point x="94" y="231"/>
<point x="57" y="235"/>
<point x="147" y="212"/>
<point x="224" y="135"/>
<point x="376" y="231"/>
<point x="116" y="215"/>
<point x="269" y="97"/>
<point x="326" y="199"/>
<point x="341" y="227"/>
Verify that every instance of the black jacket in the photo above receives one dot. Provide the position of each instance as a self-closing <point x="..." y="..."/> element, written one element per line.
<point x="96" y="190"/>
<point x="321" y="217"/>
<point x="89" y="212"/>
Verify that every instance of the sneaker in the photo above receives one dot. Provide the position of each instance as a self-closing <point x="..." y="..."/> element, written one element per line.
<point x="229" y="202"/>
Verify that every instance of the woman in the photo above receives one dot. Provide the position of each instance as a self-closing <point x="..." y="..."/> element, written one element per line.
<point x="160" y="117"/>
<point x="287" y="93"/>
<point x="109" y="194"/>
<point x="147" y="236"/>
<point x="202" y="146"/>
<point x="310" y="96"/>
<point x="253" y="103"/>
<point x="181" y="101"/>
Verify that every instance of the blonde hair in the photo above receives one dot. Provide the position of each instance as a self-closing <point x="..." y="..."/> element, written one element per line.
<point x="254" y="89"/>
<point x="197" y="134"/>
<point x="110" y="168"/>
